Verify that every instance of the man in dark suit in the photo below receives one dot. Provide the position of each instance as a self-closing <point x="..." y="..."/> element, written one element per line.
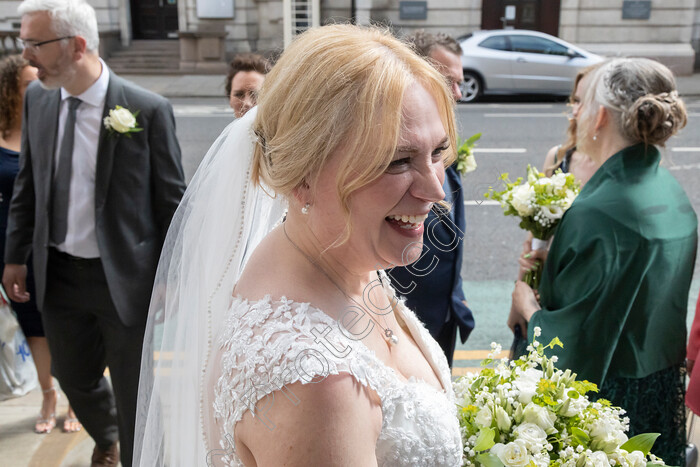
<point x="433" y="284"/>
<point x="93" y="201"/>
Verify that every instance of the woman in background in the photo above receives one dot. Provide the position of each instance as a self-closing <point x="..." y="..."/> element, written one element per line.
<point x="615" y="284"/>
<point x="15" y="76"/>
<point x="246" y="74"/>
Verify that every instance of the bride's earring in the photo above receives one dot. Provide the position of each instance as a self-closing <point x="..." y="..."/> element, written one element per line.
<point x="305" y="209"/>
<point x="595" y="137"/>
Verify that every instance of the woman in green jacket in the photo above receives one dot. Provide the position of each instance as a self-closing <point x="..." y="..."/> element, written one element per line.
<point x="616" y="279"/>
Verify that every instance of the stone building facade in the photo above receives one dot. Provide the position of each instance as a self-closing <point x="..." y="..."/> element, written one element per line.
<point x="668" y="30"/>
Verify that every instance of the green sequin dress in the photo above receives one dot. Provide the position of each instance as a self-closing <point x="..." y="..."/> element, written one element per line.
<point x="654" y="404"/>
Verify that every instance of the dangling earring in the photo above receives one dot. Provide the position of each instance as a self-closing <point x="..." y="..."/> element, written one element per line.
<point x="305" y="209"/>
<point x="595" y="137"/>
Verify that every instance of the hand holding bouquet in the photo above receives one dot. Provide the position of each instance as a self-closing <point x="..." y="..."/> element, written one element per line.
<point x="528" y="413"/>
<point x="540" y="202"/>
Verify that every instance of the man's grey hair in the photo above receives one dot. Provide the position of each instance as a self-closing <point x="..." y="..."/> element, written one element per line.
<point x="425" y="42"/>
<point x="68" y="18"/>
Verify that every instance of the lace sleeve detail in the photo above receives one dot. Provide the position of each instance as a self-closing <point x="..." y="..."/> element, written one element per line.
<point x="268" y="345"/>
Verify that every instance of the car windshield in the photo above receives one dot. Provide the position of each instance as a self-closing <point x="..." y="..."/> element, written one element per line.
<point x="536" y="45"/>
<point x="495" y="43"/>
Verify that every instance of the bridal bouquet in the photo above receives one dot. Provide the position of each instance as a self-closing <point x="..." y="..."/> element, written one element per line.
<point x="540" y="202"/>
<point x="529" y="413"/>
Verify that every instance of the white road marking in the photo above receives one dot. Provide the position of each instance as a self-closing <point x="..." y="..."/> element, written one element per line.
<point x="202" y="110"/>
<point x="685" y="149"/>
<point x="486" y="202"/>
<point x="506" y="106"/>
<point x="500" y="150"/>
<point x="684" y="167"/>
<point x="526" y="115"/>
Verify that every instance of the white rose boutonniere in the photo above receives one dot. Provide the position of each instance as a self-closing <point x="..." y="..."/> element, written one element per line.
<point x="121" y="120"/>
<point x="465" y="155"/>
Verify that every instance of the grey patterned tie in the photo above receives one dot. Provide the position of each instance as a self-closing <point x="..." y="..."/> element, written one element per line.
<point x="60" y="188"/>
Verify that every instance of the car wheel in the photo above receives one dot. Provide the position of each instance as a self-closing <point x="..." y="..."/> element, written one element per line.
<point x="470" y="87"/>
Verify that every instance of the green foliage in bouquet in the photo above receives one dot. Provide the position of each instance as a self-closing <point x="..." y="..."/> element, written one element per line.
<point x="466" y="162"/>
<point x="528" y="413"/>
<point x="540" y="202"/>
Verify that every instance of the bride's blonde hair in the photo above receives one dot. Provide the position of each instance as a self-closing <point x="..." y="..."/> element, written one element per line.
<point x="339" y="85"/>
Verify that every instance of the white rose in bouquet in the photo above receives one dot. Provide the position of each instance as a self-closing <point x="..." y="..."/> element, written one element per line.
<point x="607" y="435"/>
<point x="484" y="417"/>
<point x="540" y="416"/>
<point x="527" y="384"/>
<point x="532" y="435"/>
<point x="512" y="454"/>
<point x="521" y="200"/>
<point x="558" y="181"/>
<point x="636" y="459"/>
<point x="598" y="459"/>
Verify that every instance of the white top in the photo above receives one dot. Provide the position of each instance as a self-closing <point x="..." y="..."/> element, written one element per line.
<point x="81" y="239"/>
<point x="271" y="343"/>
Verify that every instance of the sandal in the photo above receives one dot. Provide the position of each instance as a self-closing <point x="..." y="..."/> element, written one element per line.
<point x="71" y="424"/>
<point x="44" y="425"/>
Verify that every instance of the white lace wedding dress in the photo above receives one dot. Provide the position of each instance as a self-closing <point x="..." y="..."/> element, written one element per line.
<point x="271" y="343"/>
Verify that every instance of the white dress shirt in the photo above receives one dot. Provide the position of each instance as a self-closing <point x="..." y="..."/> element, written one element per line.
<point x="81" y="239"/>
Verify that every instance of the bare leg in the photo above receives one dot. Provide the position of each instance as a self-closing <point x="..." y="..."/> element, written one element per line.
<point x="42" y="360"/>
<point x="71" y="424"/>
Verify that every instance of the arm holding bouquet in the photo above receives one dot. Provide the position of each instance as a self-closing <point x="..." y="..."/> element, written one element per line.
<point x="567" y="158"/>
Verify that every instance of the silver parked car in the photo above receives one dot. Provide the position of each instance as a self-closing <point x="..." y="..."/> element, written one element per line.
<point x="516" y="61"/>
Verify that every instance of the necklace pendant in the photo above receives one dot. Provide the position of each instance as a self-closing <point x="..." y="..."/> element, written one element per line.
<point x="391" y="337"/>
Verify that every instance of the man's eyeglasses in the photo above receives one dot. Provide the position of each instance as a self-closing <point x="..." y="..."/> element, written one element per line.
<point x="33" y="46"/>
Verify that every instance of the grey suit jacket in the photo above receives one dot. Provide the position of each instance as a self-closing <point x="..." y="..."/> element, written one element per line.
<point x="138" y="184"/>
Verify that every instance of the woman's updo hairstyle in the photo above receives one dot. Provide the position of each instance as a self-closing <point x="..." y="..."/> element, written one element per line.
<point x="642" y="96"/>
<point x="339" y="87"/>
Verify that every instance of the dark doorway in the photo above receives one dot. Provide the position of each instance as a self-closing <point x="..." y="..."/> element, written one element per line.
<point x="154" y="19"/>
<point x="536" y="15"/>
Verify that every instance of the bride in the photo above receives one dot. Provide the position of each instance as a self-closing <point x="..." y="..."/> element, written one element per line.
<point x="282" y="341"/>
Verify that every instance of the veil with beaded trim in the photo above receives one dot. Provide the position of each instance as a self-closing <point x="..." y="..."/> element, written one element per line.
<point x="220" y="221"/>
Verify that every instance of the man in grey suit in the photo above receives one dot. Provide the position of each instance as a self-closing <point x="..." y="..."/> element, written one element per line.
<point x="93" y="204"/>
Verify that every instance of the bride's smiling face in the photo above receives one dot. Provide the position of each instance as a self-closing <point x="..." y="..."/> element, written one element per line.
<point x="388" y="214"/>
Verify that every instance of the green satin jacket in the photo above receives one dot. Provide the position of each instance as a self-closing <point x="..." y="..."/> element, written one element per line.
<point x="615" y="284"/>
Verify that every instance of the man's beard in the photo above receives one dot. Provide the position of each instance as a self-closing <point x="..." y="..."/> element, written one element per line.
<point x="57" y="81"/>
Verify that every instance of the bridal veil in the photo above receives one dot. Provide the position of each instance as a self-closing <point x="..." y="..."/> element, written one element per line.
<point x="221" y="218"/>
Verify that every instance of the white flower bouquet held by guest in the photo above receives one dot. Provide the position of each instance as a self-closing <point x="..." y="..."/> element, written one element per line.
<point x="540" y="203"/>
<point x="288" y="344"/>
<point x="527" y="412"/>
<point x="567" y="158"/>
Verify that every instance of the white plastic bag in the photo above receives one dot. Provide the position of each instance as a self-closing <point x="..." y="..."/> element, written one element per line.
<point x="17" y="371"/>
